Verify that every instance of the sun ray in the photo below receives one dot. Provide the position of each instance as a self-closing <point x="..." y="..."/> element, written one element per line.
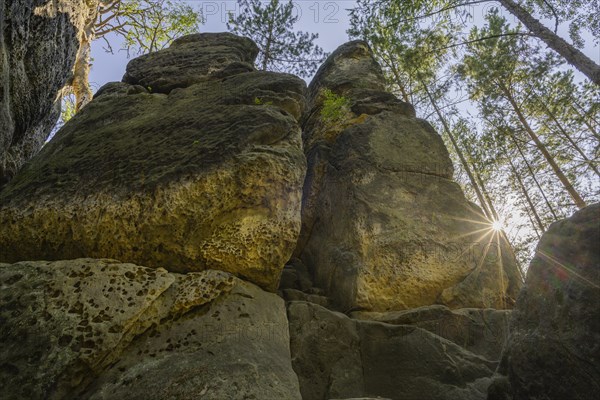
<point x="500" y="271"/>
<point x="487" y="249"/>
<point x="480" y="222"/>
<point x="570" y="270"/>
<point x="477" y="243"/>
<point x="471" y="233"/>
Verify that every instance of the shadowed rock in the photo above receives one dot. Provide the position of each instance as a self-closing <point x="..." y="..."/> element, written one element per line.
<point x="39" y="40"/>
<point x="338" y="357"/>
<point x="100" y="329"/>
<point x="553" y="350"/>
<point x="481" y="331"/>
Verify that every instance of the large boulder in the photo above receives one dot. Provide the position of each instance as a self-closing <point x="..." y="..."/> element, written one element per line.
<point x="481" y="331"/>
<point x="384" y="226"/>
<point x="192" y="59"/>
<point x="39" y="40"/>
<point x="207" y="176"/>
<point x="338" y="357"/>
<point x="100" y="329"/>
<point x="553" y="350"/>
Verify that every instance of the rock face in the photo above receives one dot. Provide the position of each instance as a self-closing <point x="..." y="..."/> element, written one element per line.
<point x="192" y="59"/>
<point x="38" y="47"/>
<point x="194" y="167"/>
<point x="207" y="176"/>
<point x="338" y="357"/>
<point x="553" y="351"/>
<point x="480" y="331"/>
<point x="100" y="329"/>
<point x="384" y="227"/>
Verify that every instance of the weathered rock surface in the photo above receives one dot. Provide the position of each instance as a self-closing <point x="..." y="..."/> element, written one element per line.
<point x="384" y="227"/>
<point x="101" y="329"/>
<point x="203" y="177"/>
<point x="553" y="350"/>
<point x="364" y="398"/>
<point x="194" y="164"/>
<point x="192" y="59"/>
<point x="38" y="46"/>
<point x="338" y="357"/>
<point x="481" y="331"/>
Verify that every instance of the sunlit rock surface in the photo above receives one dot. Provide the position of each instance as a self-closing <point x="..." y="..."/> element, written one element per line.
<point x="553" y="351"/>
<point x="384" y="227"/>
<point x="207" y="176"/>
<point x="193" y="167"/>
<point x="100" y="329"/>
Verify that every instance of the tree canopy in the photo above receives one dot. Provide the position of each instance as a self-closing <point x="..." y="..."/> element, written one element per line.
<point x="521" y="126"/>
<point x="271" y="26"/>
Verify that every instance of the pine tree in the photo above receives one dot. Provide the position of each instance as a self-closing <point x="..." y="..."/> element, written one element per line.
<point x="143" y="25"/>
<point x="407" y="48"/>
<point x="585" y="19"/>
<point x="271" y="27"/>
<point x="491" y="69"/>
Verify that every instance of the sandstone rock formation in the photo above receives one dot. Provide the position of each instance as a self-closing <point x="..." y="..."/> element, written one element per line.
<point x="384" y="227"/>
<point x="184" y="173"/>
<point x="38" y="47"/>
<point x="100" y="329"/>
<point x="190" y="172"/>
<point x="337" y="357"/>
<point x="481" y="331"/>
<point x="192" y="59"/>
<point x="553" y="350"/>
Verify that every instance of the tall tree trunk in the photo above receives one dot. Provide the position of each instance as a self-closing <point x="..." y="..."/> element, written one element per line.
<point x="486" y="195"/>
<point x="399" y="81"/>
<point x="496" y="217"/>
<point x="532" y="173"/>
<point x="570" y="53"/>
<point x="267" y="52"/>
<point x="81" y="70"/>
<point x="581" y="108"/>
<point x="81" y="73"/>
<point x="533" y="225"/>
<point x="562" y="130"/>
<point x="558" y="172"/>
<point x="459" y="152"/>
<point x="583" y="116"/>
<point x="526" y="194"/>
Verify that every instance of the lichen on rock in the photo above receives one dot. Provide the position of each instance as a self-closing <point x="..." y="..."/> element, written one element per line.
<point x="384" y="226"/>
<point x="67" y="325"/>
<point x="195" y="177"/>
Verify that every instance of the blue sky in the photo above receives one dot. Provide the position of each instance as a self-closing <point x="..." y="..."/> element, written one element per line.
<point x="327" y="18"/>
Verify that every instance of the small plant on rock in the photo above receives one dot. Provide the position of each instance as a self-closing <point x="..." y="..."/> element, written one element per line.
<point x="259" y="102"/>
<point x="335" y="108"/>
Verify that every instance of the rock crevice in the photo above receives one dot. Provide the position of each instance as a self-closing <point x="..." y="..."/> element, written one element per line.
<point x="39" y="41"/>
